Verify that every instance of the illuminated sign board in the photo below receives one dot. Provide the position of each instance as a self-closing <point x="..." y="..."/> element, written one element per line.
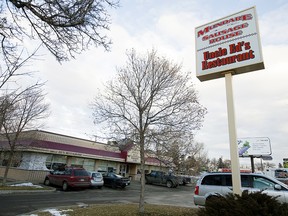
<point x="254" y="146"/>
<point x="228" y="44"/>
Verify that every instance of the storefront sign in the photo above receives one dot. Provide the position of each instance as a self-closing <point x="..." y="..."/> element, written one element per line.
<point x="228" y="44"/>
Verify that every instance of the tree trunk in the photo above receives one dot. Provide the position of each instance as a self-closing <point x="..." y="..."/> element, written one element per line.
<point x="142" y="190"/>
<point x="4" y="181"/>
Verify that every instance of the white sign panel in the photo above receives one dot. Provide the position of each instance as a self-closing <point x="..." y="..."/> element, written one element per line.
<point x="254" y="146"/>
<point x="228" y="44"/>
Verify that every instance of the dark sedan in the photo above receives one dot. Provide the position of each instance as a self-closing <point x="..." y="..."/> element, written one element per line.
<point x="114" y="180"/>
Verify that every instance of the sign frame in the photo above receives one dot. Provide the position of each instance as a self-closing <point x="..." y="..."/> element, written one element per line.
<point x="254" y="146"/>
<point x="231" y="43"/>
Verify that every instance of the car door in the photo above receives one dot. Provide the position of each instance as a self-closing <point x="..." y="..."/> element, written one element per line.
<point x="211" y="184"/>
<point x="261" y="183"/>
<point x="227" y="183"/>
<point x="109" y="178"/>
<point x="56" y="177"/>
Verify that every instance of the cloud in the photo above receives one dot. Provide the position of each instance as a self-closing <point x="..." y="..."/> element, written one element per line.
<point x="260" y="97"/>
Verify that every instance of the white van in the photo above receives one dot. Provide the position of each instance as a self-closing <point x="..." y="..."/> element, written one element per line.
<point x="220" y="184"/>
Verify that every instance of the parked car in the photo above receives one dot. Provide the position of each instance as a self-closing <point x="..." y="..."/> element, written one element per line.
<point x="114" y="180"/>
<point x="70" y="177"/>
<point x="220" y="184"/>
<point x="96" y="179"/>
<point x="183" y="179"/>
<point x="161" y="178"/>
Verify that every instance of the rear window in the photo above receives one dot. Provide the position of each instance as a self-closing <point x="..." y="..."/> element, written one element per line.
<point x="225" y="180"/>
<point x="212" y="180"/>
<point x="97" y="175"/>
<point x="80" y="173"/>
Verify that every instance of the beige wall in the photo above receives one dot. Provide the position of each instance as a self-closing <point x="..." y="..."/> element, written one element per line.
<point x="34" y="176"/>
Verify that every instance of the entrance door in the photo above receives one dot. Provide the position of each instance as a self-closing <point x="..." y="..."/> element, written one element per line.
<point x="123" y="169"/>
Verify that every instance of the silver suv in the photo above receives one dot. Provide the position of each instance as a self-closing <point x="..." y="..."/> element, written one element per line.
<point x="220" y="184"/>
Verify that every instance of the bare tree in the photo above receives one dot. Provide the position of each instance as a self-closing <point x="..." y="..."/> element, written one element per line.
<point x="149" y="98"/>
<point x="64" y="27"/>
<point x="213" y="165"/>
<point x="20" y="110"/>
<point x="183" y="154"/>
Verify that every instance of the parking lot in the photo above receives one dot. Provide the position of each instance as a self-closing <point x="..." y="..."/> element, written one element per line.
<point x="29" y="202"/>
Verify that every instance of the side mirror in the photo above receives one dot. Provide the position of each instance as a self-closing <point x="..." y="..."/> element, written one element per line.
<point x="277" y="187"/>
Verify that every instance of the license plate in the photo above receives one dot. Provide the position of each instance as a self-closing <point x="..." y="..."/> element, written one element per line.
<point x="81" y="179"/>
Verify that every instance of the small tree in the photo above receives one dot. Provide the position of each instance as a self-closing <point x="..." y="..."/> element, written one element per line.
<point x="20" y="110"/>
<point x="182" y="153"/>
<point x="149" y="99"/>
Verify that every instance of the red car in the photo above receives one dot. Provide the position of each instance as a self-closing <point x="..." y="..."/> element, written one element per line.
<point x="70" y="177"/>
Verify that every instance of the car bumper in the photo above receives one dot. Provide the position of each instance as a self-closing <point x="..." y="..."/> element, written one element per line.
<point x="80" y="184"/>
<point x="97" y="184"/>
<point x="199" y="200"/>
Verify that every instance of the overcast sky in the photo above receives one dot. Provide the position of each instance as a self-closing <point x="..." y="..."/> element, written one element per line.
<point x="260" y="97"/>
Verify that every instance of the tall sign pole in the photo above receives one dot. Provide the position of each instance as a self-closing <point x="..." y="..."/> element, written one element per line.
<point x="236" y="181"/>
<point x="224" y="48"/>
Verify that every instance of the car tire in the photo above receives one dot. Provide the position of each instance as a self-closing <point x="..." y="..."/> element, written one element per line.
<point x="99" y="187"/>
<point x="47" y="182"/>
<point x="65" y="186"/>
<point x="169" y="184"/>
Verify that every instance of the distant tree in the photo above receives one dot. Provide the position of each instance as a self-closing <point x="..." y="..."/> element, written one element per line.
<point x="149" y="99"/>
<point x="220" y="163"/>
<point x="227" y="163"/>
<point x="213" y="164"/>
<point x="187" y="156"/>
<point x="20" y="110"/>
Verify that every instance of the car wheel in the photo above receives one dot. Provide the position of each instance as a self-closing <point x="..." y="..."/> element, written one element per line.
<point x="47" y="182"/>
<point x="169" y="184"/>
<point x="99" y="187"/>
<point x="65" y="186"/>
<point x="123" y="186"/>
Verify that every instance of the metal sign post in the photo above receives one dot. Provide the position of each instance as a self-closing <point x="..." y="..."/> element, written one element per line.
<point x="236" y="181"/>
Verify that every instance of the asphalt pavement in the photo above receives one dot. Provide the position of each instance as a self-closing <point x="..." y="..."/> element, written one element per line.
<point x="23" y="202"/>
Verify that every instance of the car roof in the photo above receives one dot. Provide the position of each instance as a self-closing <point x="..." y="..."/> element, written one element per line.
<point x="247" y="174"/>
<point x="94" y="172"/>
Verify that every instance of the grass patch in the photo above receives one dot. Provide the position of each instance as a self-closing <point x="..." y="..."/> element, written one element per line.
<point x="123" y="210"/>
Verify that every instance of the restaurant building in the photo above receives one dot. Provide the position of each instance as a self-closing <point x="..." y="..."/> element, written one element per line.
<point x="41" y="151"/>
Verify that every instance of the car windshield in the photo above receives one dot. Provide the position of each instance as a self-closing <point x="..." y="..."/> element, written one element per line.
<point x="81" y="173"/>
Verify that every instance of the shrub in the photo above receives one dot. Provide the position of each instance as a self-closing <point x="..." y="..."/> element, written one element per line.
<point x="248" y="204"/>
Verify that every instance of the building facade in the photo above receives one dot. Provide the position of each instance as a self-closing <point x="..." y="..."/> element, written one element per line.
<point x="41" y="151"/>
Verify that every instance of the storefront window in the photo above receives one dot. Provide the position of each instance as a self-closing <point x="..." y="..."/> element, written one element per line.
<point x="89" y="164"/>
<point x="56" y="162"/>
<point x="77" y="162"/>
